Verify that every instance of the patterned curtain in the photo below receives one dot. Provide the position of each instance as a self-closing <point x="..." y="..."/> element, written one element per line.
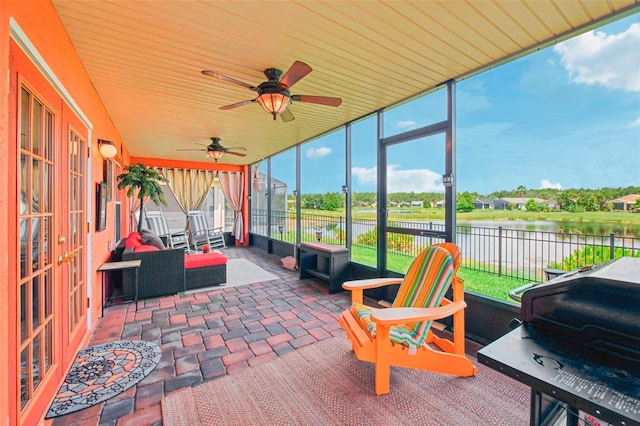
<point x="189" y="187"/>
<point x="232" y="184"/>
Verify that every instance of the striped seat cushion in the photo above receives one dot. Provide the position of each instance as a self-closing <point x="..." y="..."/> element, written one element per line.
<point x="424" y="286"/>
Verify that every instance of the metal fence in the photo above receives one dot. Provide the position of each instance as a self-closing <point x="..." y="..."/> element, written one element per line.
<point x="515" y="253"/>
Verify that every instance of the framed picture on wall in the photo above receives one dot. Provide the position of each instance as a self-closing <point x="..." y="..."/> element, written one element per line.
<point x="108" y="177"/>
<point x="101" y="206"/>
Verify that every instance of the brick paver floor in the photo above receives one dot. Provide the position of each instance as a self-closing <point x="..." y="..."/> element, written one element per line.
<point x="209" y="334"/>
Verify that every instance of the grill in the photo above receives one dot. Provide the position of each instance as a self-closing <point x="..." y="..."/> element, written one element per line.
<point x="578" y="346"/>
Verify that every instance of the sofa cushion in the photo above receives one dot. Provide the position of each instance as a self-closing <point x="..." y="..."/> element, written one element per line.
<point x="142" y="248"/>
<point x="151" y="239"/>
<point x="204" y="259"/>
<point x="133" y="240"/>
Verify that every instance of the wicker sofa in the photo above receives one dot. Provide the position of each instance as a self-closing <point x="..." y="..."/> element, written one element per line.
<point x="171" y="271"/>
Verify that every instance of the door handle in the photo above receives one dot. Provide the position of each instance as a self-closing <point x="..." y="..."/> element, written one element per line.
<point x="66" y="258"/>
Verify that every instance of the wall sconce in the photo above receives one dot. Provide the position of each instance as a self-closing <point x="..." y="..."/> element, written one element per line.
<point x="447" y="181"/>
<point x="107" y="148"/>
<point x="318" y="235"/>
<point x="295" y="193"/>
<point x="345" y="189"/>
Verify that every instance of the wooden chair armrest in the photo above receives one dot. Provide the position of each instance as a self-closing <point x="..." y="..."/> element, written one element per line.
<point x="357" y="287"/>
<point x="393" y="316"/>
<point x="370" y="283"/>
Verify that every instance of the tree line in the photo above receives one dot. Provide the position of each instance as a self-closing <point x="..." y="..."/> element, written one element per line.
<point x="572" y="200"/>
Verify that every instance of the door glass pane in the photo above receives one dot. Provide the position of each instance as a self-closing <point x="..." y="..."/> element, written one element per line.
<point x="47" y="192"/>
<point x="48" y="293"/>
<point x="24" y="376"/>
<point x="36" y="133"/>
<point x="36" y="360"/>
<point x="25" y="99"/>
<point x="36" y="302"/>
<point x="48" y="135"/>
<point x="415" y="197"/>
<point x="48" y="346"/>
<point x="47" y="249"/>
<point x="24" y="322"/>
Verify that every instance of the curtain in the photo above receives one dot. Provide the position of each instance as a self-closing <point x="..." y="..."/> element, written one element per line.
<point x="189" y="187"/>
<point x="232" y="184"/>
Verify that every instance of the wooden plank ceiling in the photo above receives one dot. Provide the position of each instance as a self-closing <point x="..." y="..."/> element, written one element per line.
<point x="145" y="59"/>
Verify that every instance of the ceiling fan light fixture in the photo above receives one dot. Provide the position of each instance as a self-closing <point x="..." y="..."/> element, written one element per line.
<point x="215" y="154"/>
<point x="274" y="103"/>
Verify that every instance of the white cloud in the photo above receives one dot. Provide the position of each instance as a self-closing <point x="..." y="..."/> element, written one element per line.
<point x="321" y="152"/>
<point x="406" y="124"/>
<point x="364" y="176"/>
<point x="635" y="123"/>
<point x="546" y="184"/>
<point x="608" y="60"/>
<point x="416" y="180"/>
<point x="472" y="100"/>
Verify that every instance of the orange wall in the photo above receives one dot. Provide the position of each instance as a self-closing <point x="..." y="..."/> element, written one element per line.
<point x="42" y="26"/>
<point x="39" y="21"/>
<point x="5" y="312"/>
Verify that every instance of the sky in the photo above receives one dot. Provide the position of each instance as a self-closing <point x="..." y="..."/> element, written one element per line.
<point x="565" y="117"/>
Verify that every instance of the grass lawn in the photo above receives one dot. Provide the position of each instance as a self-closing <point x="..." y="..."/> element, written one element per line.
<point x="478" y="282"/>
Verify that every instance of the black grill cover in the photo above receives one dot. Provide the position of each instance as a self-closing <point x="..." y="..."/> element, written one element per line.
<point x="597" y="307"/>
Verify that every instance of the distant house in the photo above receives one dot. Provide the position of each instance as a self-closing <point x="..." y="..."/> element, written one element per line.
<point x="552" y="204"/>
<point x="417" y="203"/>
<point x="624" y="203"/>
<point x="484" y="203"/>
<point x="517" y="203"/>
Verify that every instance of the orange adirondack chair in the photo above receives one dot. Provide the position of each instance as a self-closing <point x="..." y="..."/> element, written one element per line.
<point x="401" y="335"/>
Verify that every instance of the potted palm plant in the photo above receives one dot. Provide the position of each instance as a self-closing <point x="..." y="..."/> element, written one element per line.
<point x="146" y="181"/>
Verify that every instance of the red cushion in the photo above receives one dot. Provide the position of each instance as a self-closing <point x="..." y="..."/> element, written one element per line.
<point x="144" y="247"/>
<point x="133" y="240"/>
<point x="205" y="259"/>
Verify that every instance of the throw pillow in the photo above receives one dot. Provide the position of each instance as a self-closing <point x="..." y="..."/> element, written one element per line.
<point x="152" y="239"/>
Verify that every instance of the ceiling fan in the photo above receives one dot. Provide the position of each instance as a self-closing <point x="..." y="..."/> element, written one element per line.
<point x="273" y="94"/>
<point x="216" y="151"/>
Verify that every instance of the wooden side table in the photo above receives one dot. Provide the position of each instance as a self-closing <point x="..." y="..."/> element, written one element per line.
<point x="324" y="261"/>
<point x="120" y="266"/>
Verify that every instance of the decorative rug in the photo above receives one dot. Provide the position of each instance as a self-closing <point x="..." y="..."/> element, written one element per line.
<point x="102" y="372"/>
<point x="325" y="384"/>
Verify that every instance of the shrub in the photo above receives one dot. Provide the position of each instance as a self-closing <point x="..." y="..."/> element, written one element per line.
<point x="592" y="255"/>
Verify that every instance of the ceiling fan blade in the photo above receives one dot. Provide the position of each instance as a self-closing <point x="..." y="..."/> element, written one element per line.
<point x="228" y="79"/>
<point x="237" y="104"/>
<point x="287" y="115"/>
<point x="241" y="148"/>
<point x="322" y="100"/>
<point x="297" y="71"/>
<point x="191" y="150"/>
<point x="237" y="154"/>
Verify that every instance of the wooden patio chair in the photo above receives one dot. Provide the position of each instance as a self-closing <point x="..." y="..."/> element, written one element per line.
<point x="401" y="335"/>
<point x="158" y="224"/>
<point x="201" y="233"/>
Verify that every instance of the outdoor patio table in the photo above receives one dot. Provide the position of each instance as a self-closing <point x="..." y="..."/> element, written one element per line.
<point x="120" y="266"/>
